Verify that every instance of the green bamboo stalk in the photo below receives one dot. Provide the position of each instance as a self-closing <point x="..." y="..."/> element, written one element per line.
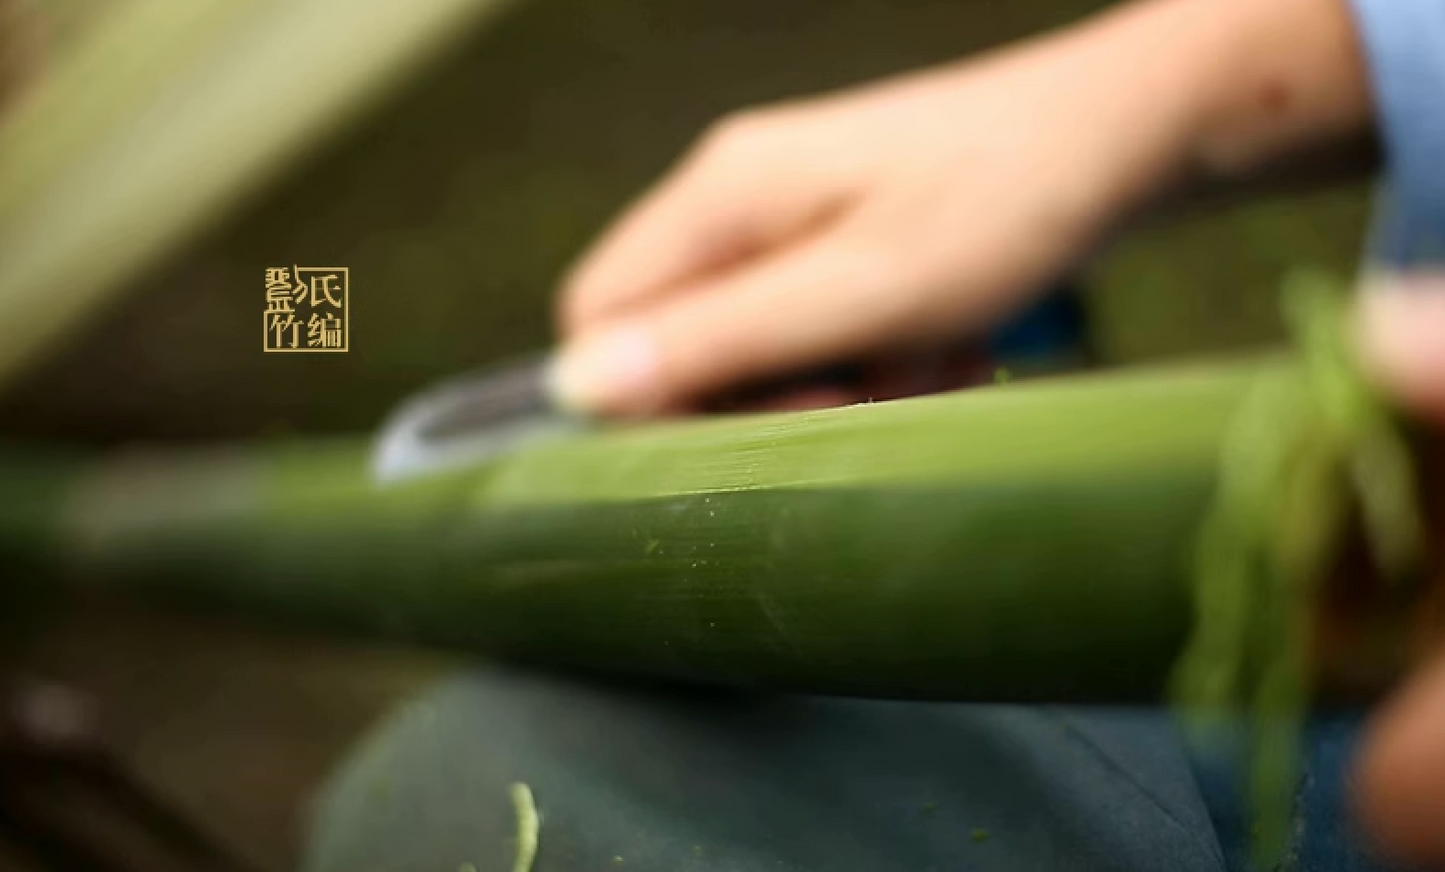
<point x="169" y="113"/>
<point x="1033" y="541"/>
<point x="1094" y="539"/>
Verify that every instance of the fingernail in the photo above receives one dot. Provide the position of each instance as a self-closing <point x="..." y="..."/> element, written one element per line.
<point x="612" y="372"/>
<point x="1402" y="330"/>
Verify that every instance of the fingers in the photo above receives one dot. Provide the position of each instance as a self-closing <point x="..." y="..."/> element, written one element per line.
<point x="751" y="184"/>
<point x="798" y="400"/>
<point x="765" y="319"/>
<point x="888" y="377"/>
<point x="1403" y="337"/>
<point x="1401" y="775"/>
<point x="830" y="298"/>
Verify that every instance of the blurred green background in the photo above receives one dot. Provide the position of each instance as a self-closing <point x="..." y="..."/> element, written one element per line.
<point x="457" y="205"/>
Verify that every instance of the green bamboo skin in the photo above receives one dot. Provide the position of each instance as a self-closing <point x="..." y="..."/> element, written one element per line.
<point x="1033" y="542"/>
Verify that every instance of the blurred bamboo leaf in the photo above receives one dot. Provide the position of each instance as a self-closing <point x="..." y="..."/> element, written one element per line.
<point x="164" y="116"/>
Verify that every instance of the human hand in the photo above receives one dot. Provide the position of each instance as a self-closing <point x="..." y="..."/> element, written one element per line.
<point x="904" y="213"/>
<point x="1402" y="770"/>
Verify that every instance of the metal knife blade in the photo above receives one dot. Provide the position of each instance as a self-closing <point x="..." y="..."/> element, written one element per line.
<point x="470" y="419"/>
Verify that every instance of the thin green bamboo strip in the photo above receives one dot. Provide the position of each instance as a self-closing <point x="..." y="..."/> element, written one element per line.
<point x="170" y="113"/>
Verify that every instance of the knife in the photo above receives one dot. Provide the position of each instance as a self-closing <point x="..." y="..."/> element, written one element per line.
<point x="471" y="419"/>
<point x="481" y="415"/>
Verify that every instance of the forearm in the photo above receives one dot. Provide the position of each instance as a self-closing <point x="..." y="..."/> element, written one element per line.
<point x="1236" y="90"/>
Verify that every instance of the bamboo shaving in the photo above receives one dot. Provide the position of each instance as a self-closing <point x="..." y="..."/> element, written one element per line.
<point x="529" y="827"/>
<point x="1299" y="453"/>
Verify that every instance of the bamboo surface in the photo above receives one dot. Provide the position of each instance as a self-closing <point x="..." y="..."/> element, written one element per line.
<point x="1028" y="542"/>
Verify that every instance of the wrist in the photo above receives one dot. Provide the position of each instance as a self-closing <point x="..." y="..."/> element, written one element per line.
<point x="1275" y="78"/>
<point x="1226" y="87"/>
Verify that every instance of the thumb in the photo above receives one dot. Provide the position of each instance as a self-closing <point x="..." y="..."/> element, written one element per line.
<point x="1402" y="336"/>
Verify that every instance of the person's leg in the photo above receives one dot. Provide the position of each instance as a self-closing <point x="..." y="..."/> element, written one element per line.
<point x="662" y="781"/>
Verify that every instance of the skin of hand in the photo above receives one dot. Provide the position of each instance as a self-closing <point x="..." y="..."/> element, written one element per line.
<point x="907" y="212"/>
<point x="1401" y="774"/>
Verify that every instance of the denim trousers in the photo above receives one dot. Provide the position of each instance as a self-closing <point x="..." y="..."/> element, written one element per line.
<point x="660" y="780"/>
